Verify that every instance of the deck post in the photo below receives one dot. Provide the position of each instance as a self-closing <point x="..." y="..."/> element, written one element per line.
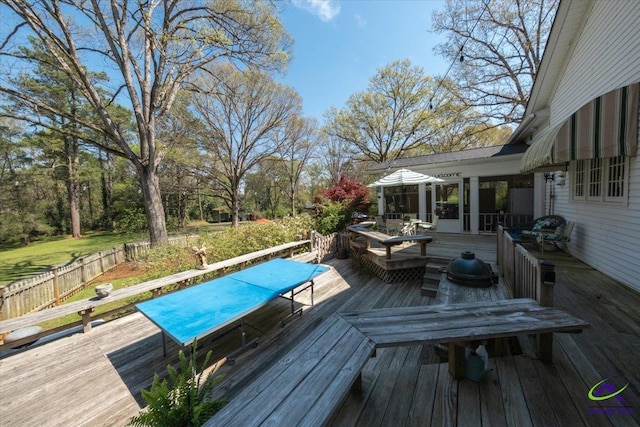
<point x="86" y="319"/>
<point x="545" y="281"/>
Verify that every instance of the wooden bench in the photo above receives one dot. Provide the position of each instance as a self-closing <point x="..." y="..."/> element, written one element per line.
<point x="306" y="386"/>
<point x="458" y="323"/>
<point x="310" y="382"/>
<point x="389" y="241"/>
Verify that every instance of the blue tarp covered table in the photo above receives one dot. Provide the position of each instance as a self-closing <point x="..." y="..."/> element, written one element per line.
<point x="195" y="312"/>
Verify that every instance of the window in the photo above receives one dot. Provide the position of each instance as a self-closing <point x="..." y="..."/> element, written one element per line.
<point x="600" y="180"/>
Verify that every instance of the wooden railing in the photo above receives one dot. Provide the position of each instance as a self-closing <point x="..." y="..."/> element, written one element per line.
<point x="524" y="275"/>
<point x="85" y="307"/>
<point x="60" y="283"/>
<point x="56" y="285"/>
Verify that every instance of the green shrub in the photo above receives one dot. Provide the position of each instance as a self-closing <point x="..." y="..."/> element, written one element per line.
<point x="187" y="403"/>
<point x="335" y="216"/>
<point x="131" y="221"/>
<point x="229" y="243"/>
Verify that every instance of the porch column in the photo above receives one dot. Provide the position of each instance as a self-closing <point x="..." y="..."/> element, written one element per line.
<point x="539" y="195"/>
<point x="474" y="204"/>
<point x="380" y="196"/>
<point x="422" y="201"/>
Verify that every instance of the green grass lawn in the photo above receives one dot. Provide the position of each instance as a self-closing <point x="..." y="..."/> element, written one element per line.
<point x="16" y="263"/>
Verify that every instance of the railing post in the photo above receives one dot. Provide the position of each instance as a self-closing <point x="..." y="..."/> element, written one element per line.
<point x="83" y="270"/>
<point x="101" y="262"/>
<point x="56" y="290"/>
<point x="545" y="282"/>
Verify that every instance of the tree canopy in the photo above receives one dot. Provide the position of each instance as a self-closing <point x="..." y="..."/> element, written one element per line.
<point x="500" y="44"/>
<point x="149" y="50"/>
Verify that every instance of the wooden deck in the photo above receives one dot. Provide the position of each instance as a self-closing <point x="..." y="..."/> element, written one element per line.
<point x="95" y="379"/>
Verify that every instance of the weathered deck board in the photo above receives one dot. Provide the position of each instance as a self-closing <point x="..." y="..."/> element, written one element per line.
<point x="65" y="382"/>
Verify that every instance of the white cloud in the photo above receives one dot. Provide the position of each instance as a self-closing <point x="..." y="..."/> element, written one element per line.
<point x="326" y="10"/>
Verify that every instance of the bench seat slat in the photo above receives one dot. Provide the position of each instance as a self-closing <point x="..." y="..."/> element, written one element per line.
<point x="327" y="384"/>
<point x="302" y="365"/>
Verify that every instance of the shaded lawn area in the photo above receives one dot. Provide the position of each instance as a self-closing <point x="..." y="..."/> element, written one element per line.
<point x="16" y="263"/>
<point x="20" y="262"/>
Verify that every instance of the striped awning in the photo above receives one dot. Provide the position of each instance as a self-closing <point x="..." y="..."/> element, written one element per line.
<point x="539" y="156"/>
<point x="604" y="127"/>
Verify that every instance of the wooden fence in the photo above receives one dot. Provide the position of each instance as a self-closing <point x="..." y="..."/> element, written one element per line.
<point x="134" y="251"/>
<point x="524" y="275"/>
<point x="60" y="283"/>
<point x="56" y="285"/>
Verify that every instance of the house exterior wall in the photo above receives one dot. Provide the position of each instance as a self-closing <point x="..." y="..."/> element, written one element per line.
<point x="605" y="57"/>
<point x="606" y="235"/>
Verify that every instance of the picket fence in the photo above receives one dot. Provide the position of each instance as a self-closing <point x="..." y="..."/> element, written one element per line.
<point x="60" y="283"/>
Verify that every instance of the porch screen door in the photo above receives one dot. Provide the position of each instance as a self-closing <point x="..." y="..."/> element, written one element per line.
<point x="448" y="203"/>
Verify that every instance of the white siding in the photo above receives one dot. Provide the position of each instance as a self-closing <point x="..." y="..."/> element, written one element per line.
<point x="606" y="235"/>
<point x="604" y="58"/>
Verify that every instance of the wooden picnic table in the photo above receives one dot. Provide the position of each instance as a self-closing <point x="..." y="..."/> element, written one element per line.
<point x="458" y="323"/>
<point x="388" y="241"/>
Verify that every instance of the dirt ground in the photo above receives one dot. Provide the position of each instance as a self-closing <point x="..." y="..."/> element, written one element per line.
<point x="121" y="271"/>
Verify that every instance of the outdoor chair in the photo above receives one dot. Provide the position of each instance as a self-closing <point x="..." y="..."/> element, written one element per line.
<point x="559" y="237"/>
<point x="395" y="227"/>
<point x="528" y="232"/>
<point x="380" y="224"/>
<point x="429" y="226"/>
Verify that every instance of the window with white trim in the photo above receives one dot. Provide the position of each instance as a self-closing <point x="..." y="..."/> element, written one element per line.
<point x="600" y="180"/>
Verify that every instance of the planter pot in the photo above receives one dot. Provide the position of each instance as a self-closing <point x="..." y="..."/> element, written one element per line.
<point x="104" y="290"/>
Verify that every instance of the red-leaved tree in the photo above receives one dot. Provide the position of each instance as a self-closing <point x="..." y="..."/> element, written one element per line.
<point x="354" y="193"/>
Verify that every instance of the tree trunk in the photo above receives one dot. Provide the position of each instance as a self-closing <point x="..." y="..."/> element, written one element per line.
<point x="73" y="186"/>
<point x="106" y="179"/>
<point x="153" y="208"/>
<point x="235" y="209"/>
<point x="73" y="190"/>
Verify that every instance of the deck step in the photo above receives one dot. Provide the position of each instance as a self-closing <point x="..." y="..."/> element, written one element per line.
<point x="429" y="290"/>
<point x="431" y="278"/>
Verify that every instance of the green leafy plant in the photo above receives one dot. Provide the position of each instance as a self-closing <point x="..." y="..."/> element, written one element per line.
<point x="334" y="216"/>
<point x="187" y="403"/>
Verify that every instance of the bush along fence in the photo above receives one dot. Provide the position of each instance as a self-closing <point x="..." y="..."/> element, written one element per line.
<point x="60" y="283"/>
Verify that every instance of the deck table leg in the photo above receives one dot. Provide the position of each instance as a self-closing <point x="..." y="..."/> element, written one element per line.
<point x="456" y="360"/>
<point x="500" y="347"/>
<point x="545" y="347"/>
<point x="164" y="345"/>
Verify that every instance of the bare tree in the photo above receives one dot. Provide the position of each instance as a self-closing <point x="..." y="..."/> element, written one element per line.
<point x="500" y="44"/>
<point x="149" y="48"/>
<point x="243" y="114"/>
<point x="390" y="117"/>
<point x="300" y="139"/>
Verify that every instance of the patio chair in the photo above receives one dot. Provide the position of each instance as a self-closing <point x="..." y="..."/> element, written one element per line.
<point x="380" y="224"/>
<point x="429" y="226"/>
<point x="528" y="232"/>
<point x="395" y="227"/>
<point x="559" y="237"/>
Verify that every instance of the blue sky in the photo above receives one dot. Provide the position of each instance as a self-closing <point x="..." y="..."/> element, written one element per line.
<point x="339" y="45"/>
